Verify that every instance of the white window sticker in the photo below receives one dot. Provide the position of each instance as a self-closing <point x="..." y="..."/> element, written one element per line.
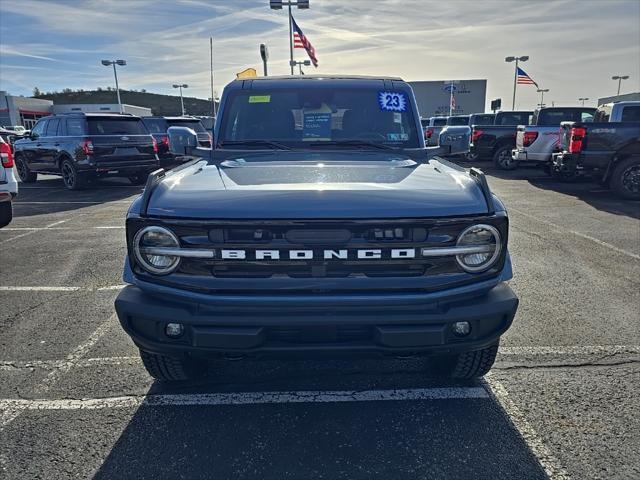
<point x="397" y="117"/>
<point x="392" y="101"/>
<point x="397" y="137"/>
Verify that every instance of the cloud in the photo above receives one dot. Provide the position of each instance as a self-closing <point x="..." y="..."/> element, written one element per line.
<point x="570" y="42"/>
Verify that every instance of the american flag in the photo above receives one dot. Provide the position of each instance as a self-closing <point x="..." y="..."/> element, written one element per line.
<point x="525" y="79"/>
<point x="300" y="41"/>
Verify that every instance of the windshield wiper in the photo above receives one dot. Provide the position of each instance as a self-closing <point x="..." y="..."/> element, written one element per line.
<point x="353" y="143"/>
<point x="266" y="143"/>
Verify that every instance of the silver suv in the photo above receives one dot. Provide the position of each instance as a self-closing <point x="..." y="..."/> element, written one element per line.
<point x="8" y="183"/>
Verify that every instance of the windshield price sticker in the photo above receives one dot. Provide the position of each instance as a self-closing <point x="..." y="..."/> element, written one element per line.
<point x="259" y="98"/>
<point x="316" y="126"/>
<point x="392" y="101"/>
<point x="397" y="137"/>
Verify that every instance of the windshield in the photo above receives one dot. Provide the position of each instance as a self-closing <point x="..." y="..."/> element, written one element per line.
<point x="513" y="118"/>
<point x="440" y="122"/>
<point x="311" y="116"/>
<point x="483" y="120"/>
<point x="551" y="118"/>
<point x="193" y="124"/>
<point x="457" y="121"/>
<point x="116" y="126"/>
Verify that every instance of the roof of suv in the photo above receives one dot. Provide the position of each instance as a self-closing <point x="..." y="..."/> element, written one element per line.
<point x="93" y="114"/>
<point x="179" y="117"/>
<point x="319" y="77"/>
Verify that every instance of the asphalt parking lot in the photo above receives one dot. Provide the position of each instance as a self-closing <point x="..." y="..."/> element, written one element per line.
<point x="561" y="402"/>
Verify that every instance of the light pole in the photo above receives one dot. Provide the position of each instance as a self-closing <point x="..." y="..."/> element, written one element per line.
<point x="542" y="91"/>
<point x="306" y="63"/>
<point x="515" y="76"/>
<point x="264" y="54"/>
<point x="277" y="5"/>
<point x="582" y="99"/>
<point x="122" y="63"/>
<point x="181" y="86"/>
<point x="619" y="78"/>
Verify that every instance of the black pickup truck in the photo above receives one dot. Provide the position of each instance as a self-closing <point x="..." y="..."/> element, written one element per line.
<point x="495" y="142"/>
<point x="319" y="224"/>
<point x="608" y="148"/>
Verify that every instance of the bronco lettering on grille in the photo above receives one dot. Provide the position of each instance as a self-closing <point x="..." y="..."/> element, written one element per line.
<point x="353" y="254"/>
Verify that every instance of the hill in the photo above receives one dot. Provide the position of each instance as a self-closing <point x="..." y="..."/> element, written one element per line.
<point x="158" y="103"/>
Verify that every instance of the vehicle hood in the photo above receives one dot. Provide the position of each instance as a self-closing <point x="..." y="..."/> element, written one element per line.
<point x="303" y="185"/>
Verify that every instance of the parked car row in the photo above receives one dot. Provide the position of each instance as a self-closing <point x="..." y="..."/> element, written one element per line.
<point x="84" y="146"/>
<point x="607" y="148"/>
<point x="567" y="142"/>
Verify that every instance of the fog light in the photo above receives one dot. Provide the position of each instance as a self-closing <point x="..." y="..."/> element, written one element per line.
<point x="461" y="329"/>
<point x="174" y="330"/>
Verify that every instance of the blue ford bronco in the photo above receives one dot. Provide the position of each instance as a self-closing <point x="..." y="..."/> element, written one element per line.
<point x="318" y="224"/>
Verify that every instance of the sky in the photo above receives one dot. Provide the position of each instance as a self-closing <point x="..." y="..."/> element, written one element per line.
<point x="574" y="46"/>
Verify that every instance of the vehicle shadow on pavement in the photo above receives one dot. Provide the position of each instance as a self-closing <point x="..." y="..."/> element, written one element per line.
<point x="585" y="189"/>
<point x="52" y="197"/>
<point x="435" y="438"/>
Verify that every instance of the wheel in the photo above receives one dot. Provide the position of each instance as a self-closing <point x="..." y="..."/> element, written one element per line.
<point x="625" y="179"/>
<point x="503" y="160"/>
<point x="70" y="176"/>
<point x="468" y="364"/>
<point x="25" y="175"/>
<point x="6" y="213"/>
<point x="171" y="369"/>
<point x="472" y="156"/>
<point x="138" y="179"/>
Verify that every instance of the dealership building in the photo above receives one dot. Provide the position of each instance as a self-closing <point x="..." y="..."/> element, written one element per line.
<point x="434" y="96"/>
<point x="26" y="111"/>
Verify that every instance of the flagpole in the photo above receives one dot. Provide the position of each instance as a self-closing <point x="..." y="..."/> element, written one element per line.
<point x="213" y="97"/>
<point x="515" y="83"/>
<point x="451" y="98"/>
<point x="290" y="40"/>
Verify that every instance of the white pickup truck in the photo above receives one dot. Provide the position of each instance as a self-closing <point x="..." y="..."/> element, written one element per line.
<point x="537" y="142"/>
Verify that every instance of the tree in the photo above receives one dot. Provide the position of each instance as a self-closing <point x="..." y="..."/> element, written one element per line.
<point x="36" y="92"/>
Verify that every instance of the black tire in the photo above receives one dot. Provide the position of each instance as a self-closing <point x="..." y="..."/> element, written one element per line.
<point x="503" y="160"/>
<point x="138" y="179"/>
<point x="472" y="157"/>
<point x="72" y="179"/>
<point x="171" y="369"/>
<point x="467" y="365"/>
<point x="6" y="213"/>
<point x="625" y="179"/>
<point x="25" y="175"/>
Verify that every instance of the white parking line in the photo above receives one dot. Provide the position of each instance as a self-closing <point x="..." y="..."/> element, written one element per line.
<point x="570" y="350"/>
<point x="249" y="398"/>
<point x="20" y="229"/>
<point x="582" y="235"/>
<point x="8" y="414"/>
<point x="14" y="288"/>
<point x="73" y="202"/>
<point x="549" y="463"/>
<point x="30" y="232"/>
<point x="7" y="365"/>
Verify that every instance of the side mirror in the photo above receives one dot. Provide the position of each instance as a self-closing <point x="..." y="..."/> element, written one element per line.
<point x="182" y="140"/>
<point x="456" y="139"/>
<point x="33" y="136"/>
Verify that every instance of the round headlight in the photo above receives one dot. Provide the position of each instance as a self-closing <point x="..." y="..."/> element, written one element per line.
<point x="487" y="239"/>
<point x="148" y="244"/>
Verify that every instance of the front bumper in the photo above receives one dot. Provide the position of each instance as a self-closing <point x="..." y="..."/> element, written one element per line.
<point x="264" y="325"/>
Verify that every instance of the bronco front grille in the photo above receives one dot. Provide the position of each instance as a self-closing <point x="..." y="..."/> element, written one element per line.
<point x="319" y="237"/>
